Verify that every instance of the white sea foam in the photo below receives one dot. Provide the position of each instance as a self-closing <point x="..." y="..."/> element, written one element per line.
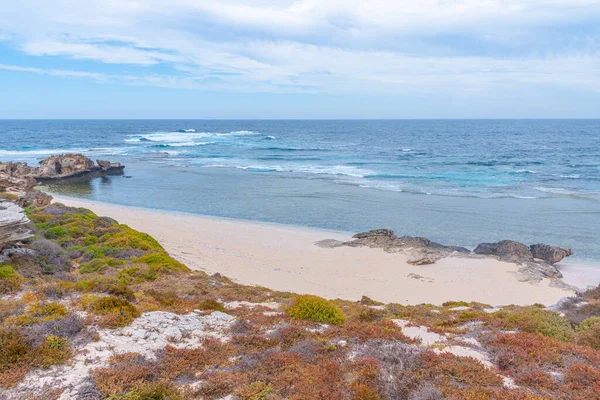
<point x="238" y="133"/>
<point x="572" y="176"/>
<point x="39" y="152"/>
<point x="42" y="152"/>
<point x="334" y="170"/>
<point x="183" y="136"/>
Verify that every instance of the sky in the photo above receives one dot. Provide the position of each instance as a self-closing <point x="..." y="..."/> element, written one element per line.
<point x="300" y="59"/>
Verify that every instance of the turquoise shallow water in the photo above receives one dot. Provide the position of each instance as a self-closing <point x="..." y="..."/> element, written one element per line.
<point x="460" y="182"/>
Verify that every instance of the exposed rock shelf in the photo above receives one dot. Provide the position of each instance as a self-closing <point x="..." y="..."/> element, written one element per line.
<point x="536" y="261"/>
<point x="14" y="225"/>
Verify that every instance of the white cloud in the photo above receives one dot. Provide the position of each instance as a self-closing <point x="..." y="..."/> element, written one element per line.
<point x="329" y="46"/>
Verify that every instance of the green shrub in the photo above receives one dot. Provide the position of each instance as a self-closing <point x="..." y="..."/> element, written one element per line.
<point x="116" y="312"/>
<point x="588" y="333"/>
<point x="128" y="238"/>
<point x="10" y="280"/>
<point x="9" y="196"/>
<point x="122" y="291"/>
<point x="316" y="309"/>
<point x="455" y="304"/>
<point x="161" y="261"/>
<point x="151" y="391"/>
<point x="535" y="320"/>
<point x="40" y="218"/>
<point x="135" y="275"/>
<point x="213" y="305"/>
<point x="99" y="265"/>
<point x="54" y="350"/>
<point x="41" y="312"/>
<point x="56" y="232"/>
<point x="13" y="348"/>
<point x="7" y="271"/>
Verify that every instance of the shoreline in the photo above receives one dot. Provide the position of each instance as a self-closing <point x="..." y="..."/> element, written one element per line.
<point x="284" y="257"/>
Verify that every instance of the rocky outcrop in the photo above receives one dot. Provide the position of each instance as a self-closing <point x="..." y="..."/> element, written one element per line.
<point x="420" y="250"/>
<point x="506" y="249"/>
<point x="71" y="165"/>
<point x="20" y="179"/>
<point x="35" y="198"/>
<point x="14" y="224"/>
<point x="550" y="254"/>
<point x="15" y="178"/>
<point x="528" y="257"/>
<point x="63" y="166"/>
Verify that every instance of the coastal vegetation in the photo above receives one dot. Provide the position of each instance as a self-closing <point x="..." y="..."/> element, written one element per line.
<point x="84" y="279"/>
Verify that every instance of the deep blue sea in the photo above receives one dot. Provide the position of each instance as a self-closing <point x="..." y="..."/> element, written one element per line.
<point x="457" y="181"/>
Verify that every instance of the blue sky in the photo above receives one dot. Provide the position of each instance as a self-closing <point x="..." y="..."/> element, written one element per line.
<point x="300" y="59"/>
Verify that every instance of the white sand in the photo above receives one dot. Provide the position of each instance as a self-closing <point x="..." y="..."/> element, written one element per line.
<point x="285" y="258"/>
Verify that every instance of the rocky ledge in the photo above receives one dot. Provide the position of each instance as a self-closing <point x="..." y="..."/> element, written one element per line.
<point x="19" y="179"/>
<point x="536" y="261"/>
<point x="14" y="225"/>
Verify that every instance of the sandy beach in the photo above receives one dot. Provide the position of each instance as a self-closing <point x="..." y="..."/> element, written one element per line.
<point x="285" y="258"/>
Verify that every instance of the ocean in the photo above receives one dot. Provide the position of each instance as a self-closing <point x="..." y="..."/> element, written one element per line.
<point x="459" y="182"/>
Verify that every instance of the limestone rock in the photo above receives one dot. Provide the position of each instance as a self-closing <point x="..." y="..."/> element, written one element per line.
<point x="386" y="233"/>
<point x="550" y="254"/>
<point x="420" y="249"/>
<point x="14" y="224"/>
<point x="63" y="165"/>
<point x="14" y="177"/>
<point x="424" y="257"/>
<point x="35" y="198"/>
<point x="506" y="249"/>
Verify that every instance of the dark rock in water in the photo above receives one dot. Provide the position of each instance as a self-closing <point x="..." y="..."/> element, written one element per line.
<point x="550" y="254"/>
<point x="387" y="233"/>
<point x="505" y="249"/>
<point x="105" y="165"/>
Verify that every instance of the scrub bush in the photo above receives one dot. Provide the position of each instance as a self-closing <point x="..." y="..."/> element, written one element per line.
<point x="115" y="312"/>
<point x="213" y="305"/>
<point x="316" y="309"/>
<point x="10" y="281"/>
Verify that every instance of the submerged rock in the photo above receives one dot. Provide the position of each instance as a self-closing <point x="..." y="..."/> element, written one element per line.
<point x="550" y="254"/>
